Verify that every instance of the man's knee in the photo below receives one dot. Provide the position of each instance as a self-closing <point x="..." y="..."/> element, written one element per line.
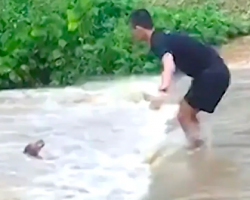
<point x="186" y="113"/>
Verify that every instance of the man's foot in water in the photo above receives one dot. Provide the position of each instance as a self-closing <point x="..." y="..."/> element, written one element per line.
<point x="195" y="145"/>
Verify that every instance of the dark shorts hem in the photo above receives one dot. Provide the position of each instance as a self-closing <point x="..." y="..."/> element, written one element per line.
<point x="198" y="108"/>
<point x="207" y="90"/>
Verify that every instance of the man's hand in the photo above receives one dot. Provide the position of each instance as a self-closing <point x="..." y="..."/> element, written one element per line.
<point x="157" y="101"/>
<point x="162" y="88"/>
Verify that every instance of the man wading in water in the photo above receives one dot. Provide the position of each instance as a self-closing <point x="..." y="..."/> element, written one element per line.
<point x="181" y="53"/>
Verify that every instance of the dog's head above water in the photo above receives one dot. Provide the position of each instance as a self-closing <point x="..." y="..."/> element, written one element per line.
<point x="33" y="149"/>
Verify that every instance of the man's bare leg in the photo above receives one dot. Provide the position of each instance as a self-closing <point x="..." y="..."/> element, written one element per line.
<point x="187" y="118"/>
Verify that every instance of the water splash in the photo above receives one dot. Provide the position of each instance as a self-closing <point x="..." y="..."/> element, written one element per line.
<point x="95" y="146"/>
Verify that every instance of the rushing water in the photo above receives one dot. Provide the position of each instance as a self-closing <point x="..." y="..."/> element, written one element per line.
<point x="96" y="141"/>
<point x="98" y="137"/>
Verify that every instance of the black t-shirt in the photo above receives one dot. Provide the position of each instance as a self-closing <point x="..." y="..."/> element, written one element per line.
<point x="190" y="56"/>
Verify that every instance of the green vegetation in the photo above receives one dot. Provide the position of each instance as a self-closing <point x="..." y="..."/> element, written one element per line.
<point x="55" y="42"/>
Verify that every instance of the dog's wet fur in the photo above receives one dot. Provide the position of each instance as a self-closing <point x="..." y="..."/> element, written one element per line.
<point x="33" y="149"/>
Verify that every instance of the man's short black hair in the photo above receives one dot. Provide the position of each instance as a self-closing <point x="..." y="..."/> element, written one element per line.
<point x="142" y="18"/>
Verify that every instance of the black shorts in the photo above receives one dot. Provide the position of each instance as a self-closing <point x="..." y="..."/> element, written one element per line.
<point x="208" y="88"/>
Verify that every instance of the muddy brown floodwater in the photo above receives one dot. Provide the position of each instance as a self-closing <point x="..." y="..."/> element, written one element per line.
<point x="223" y="172"/>
<point x="92" y="134"/>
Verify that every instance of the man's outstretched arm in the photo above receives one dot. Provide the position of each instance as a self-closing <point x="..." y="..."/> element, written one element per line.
<point x="168" y="70"/>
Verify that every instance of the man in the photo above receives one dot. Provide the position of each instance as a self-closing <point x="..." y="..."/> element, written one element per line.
<point x="181" y="53"/>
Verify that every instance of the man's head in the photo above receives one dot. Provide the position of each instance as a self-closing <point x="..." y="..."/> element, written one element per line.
<point x="142" y="24"/>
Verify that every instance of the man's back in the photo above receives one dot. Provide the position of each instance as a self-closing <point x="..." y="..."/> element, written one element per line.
<point x="190" y="56"/>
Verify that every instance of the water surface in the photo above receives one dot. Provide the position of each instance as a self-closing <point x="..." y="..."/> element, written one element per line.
<point x="98" y="135"/>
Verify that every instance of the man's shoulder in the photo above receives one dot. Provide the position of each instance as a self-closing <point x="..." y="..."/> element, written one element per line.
<point x="158" y="37"/>
<point x="158" y="34"/>
<point x="159" y="43"/>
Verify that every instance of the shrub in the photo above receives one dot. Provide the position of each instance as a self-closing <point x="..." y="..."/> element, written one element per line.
<point x="45" y="42"/>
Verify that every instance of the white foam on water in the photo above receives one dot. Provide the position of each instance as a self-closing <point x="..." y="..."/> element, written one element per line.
<point x="91" y="173"/>
<point x="155" y="137"/>
<point x="93" y="151"/>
